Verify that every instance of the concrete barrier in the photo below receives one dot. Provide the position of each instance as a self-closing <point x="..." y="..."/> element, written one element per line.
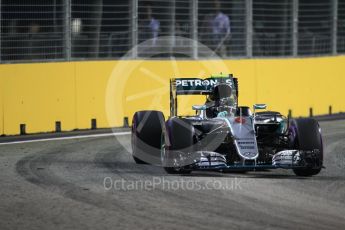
<point x="73" y="93"/>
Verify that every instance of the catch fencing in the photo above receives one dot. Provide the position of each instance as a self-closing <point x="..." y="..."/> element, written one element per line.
<point x="67" y="30"/>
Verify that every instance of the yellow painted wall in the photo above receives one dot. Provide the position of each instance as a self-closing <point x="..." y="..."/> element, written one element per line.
<point x="40" y="94"/>
<point x="1" y="102"/>
<point x="312" y="82"/>
<point x="92" y="79"/>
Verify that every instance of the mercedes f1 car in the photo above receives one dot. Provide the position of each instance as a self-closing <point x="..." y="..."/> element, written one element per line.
<point x="224" y="136"/>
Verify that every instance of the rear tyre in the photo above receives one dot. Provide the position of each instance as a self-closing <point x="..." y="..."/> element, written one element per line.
<point x="146" y="136"/>
<point x="308" y="137"/>
<point x="176" y="144"/>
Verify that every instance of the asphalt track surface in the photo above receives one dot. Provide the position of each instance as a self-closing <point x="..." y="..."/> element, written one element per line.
<point x="93" y="183"/>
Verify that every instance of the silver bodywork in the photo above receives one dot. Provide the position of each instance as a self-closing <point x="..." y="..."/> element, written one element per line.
<point x="243" y="136"/>
<point x="224" y="135"/>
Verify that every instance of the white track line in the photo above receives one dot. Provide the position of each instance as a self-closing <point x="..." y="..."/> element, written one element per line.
<point x="67" y="138"/>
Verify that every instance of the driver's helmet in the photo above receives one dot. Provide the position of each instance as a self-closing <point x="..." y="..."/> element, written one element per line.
<point x="220" y="91"/>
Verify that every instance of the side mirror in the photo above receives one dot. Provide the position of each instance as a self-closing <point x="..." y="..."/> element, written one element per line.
<point x="260" y="106"/>
<point x="199" y="107"/>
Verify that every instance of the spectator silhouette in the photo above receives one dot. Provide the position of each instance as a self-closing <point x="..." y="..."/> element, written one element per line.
<point x="215" y="29"/>
<point x="220" y="30"/>
<point x="149" y="27"/>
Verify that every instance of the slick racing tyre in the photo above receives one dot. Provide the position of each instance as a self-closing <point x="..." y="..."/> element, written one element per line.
<point x="146" y="136"/>
<point x="177" y="143"/>
<point x="308" y="137"/>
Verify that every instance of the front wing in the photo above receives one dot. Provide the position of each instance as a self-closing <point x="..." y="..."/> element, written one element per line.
<point x="287" y="159"/>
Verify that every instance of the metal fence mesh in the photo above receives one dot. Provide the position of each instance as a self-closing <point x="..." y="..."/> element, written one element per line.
<point x="341" y="27"/>
<point x="50" y="30"/>
<point x="315" y="27"/>
<point x="155" y="19"/>
<point x="31" y="30"/>
<point x="221" y="26"/>
<point x="272" y="28"/>
<point x="100" y="29"/>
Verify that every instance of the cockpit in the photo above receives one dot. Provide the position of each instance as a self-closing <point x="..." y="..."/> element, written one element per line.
<point x="222" y="99"/>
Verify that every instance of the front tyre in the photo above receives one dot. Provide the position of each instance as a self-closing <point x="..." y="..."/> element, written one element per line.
<point x="307" y="136"/>
<point x="176" y="143"/>
<point x="147" y="129"/>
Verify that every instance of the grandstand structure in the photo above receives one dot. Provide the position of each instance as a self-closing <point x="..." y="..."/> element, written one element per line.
<point x="67" y="30"/>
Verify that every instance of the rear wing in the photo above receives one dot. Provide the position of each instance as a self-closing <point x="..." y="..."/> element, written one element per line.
<point x="196" y="86"/>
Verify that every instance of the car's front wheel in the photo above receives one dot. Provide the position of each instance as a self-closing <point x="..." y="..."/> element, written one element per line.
<point x="307" y="137"/>
<point x="176" y="143"/>
<point x="147" y="129"/>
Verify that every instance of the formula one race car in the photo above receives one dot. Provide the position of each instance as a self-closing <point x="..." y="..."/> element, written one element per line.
<point x="223" y="136"/>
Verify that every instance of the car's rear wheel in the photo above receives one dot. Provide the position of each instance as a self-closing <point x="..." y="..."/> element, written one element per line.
<point x="146" y="136"/>
<point x="307" y="136"/>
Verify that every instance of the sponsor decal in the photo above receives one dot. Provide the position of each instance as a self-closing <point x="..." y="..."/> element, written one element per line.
<point x="247" y="147"/>
<point x="200" y="84"/>
<point x="249" y="154"/>
<point x="246" y="143"/>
